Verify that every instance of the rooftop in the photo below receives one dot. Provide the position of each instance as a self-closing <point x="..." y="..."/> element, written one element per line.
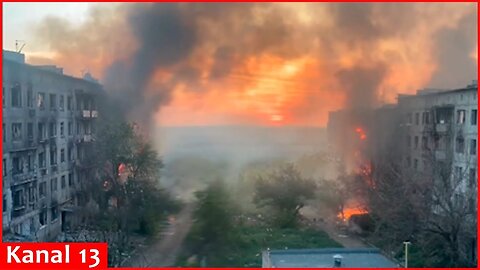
<point x="325" y="258"/>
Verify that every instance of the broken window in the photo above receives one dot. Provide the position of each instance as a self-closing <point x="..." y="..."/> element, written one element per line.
<point x="62" y="182"/>
<point x="472" y="180"/>
<point x="473" y="147"/>
<point x="424" y="142"/>
<point x="54" y="213"/>
<point x="460" y="116"/>
<point x="16" y="95"/>
<point x="69" y="103"/>
<point x="30" y="131"/>
<point x="53" y="184"/>
<point x="4" y="165"/>
<point x="53" y="156"/>
<point x="444" y="115"/>
<point x="70" y="179"/>
<point x="53" y="102"/>
<point x="62" y="155"/>
<point x="31" y="194"/>
<point x="42" y="131"/>
<point x="458" y="174"/>
<point x="62" y="103"/>
<point x="18" y="198"/>
<point x="41" y="101"/>
<point x="16" y="131"/>
<point x="30" y="98"/>
<point x="42" y="217"/>
<point x="17" y="165"/>
<point x="42" y="189"/>
<point x="41" y="160"/>
<point x="473" y="118"/>
<point x="62" y="129"/>
<point x="53" y="129"/>
<point x="460" y="145"/>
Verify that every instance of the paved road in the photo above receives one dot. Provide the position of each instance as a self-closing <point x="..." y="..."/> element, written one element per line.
<point x="165" y="249"/>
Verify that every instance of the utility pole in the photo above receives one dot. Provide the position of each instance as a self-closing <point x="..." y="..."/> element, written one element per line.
<point x="406" y="243"/>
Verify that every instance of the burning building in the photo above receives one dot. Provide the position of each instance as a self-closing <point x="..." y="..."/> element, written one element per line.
<point x="48" y="128"/>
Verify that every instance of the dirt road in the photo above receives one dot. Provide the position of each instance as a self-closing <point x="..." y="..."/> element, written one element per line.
<point x="164" y="250"/>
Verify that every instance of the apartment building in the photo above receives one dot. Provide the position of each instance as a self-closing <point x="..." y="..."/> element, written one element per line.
<point x="440" y="126"/>
<point x="48" y="129"/>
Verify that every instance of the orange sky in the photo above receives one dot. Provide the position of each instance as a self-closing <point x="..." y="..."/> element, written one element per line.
<point x="282" y="62"/>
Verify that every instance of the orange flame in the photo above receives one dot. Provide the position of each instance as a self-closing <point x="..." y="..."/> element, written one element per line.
<point x="361" y="133"/>
<point x="350" y="211"/>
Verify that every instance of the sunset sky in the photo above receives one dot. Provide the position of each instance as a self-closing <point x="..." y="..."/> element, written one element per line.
<point x="259" y="63"/>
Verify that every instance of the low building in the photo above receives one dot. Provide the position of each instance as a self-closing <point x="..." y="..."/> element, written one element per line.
<point x="326" y="258"/>
<point x="48" y="128"/>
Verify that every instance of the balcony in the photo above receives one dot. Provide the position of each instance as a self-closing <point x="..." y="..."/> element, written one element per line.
<point x="87" y="138"/>
<point x="94" y="114"/>
<point x="86" y="114"/>
<point x="24" y="177"/>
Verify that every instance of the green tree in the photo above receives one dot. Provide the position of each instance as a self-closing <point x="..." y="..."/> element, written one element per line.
<point x="284" y="192"/>
<point x="213" y="226"/>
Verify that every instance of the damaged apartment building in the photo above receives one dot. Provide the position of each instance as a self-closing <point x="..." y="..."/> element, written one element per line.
<point x="48" y="130"/>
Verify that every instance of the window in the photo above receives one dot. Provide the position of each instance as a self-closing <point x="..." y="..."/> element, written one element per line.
<point x="62" y="182"/>
<point x="472" y="180"/>
<point x="460" y="116"/>
<point x="42" y="217"/>
<point x="53" y="102"/>
<point x="62" y="155"/>
<point x="42" y="131"/>
<point x="458" y="174"/>
<point x="30" y="99"/>
<point x="62" y="129"/>
<point x="70" y="128"/>
<point x="70" y="179"/>
<point x="427" y="118"/>
<point x="460" y="145"/>
<point x="62" y="103"/>
<point x="54" y="213"/>
<point x="53" y="156"/>
<point x="473" y="147"/>
<point x="416" y="142"/>
<point x="4" y="165"/>
<point x="30" y="131"/>
<point x="30" y="162"/>
<point x="42" y="189"/>
<point x="4" y="133"/>
<point x="78" y="128"/>
<point x="4" y="204"/>
<point x="17" y="165"/>
<point x="53" y="129"/>
<point x="16" y="95"/>
<point x="16" y="131"/>
<point x="409" y="141"/>
<point x="408" y="162"/>
<point x="409" y="118"/>
<point x="54" y="184"/>
<point x="41" y="101"/>
<point x="31" y="194"/>
<point x="41" y="160"/>
<point x="415" y="163"/>
<point x="424" y="142"/>
<point x="417" y="118"/>
<point x="70" y="153"/>
<point x="69" y="103"/>
<point x="18" y="198"/>
<point x="473" y="118"/>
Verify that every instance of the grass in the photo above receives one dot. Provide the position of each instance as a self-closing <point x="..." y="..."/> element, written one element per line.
<point x="249" y="241"/>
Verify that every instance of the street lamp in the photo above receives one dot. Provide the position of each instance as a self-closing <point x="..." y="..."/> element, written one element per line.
<point x="406" y="244"/>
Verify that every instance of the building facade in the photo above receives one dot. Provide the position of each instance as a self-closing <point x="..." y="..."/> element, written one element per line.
<point x="48" y="127"/>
